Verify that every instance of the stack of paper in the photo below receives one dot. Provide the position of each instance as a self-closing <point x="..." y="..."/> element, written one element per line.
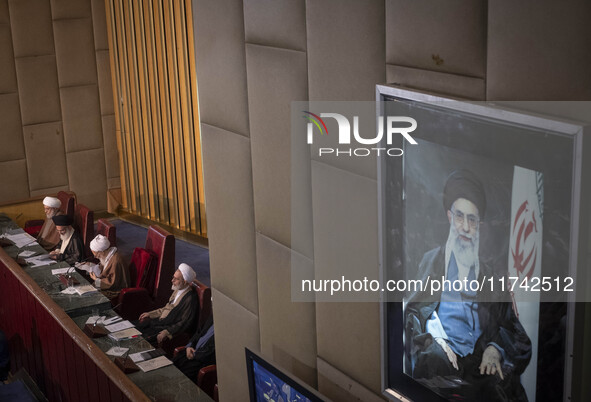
<point x="89" y="267"/>
<point x="85" y="289"/>
<point x="120" y="326"/>
<point x="21" y="239"/>
<point x="128" y="333"/>
<point x="96" y="320"/>
<point x="40" y="260"/>
<point x="154" y="364"/>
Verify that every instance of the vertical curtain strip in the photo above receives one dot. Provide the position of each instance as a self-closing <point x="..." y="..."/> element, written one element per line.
<point x="157" y="120"/>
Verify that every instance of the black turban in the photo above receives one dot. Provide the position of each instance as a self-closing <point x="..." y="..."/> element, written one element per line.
<point x="62" y="220"/>
<point x="463" y="183"/>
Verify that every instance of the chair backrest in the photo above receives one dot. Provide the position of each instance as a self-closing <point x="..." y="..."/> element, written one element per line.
<point x="84" y="223"/>
<point x="142" y="269"/>
<point x="161" y="243"/>
<point x="205" y="309"/>
<point x="108" y="230"/>
<point x="68" y="200"/>
<point x="207" y="379"/>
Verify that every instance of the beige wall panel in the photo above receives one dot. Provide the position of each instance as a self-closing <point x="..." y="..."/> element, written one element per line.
<point x="32" y="30"/>
<point x="8" y="74"/>
<point x="38" y="89"/>
<point x="539" y="50"/>
<point x="46" y="160"/>
<point x="228" y="189"/>
<point x="292" y="347"/>
<point x="275" y="78"/>
<point x="114" y="182"/>
<point x="99" y="25"/>
<point x="279" y="23"/>
<point x="13" y="181"/>
<point x="447" y="36"/>
<point x="345" y="213"/>
<point x="349" y="339"/>
<point x="103" y="65"/>
<point x="86" y="170"/>
<point x="235" y="329"/>
<point x="82" y="118"/>
<point x="346" y="41"/>
<point x="110" y="146"/>
<point x="74" y="51"/>
<point x="61" y="9"/>
<point x="220" y="64"/>
<point x="11" y="134"/>
<point x="435" y="82"/>
<point x="340" y="387"/>
<point x="47" y="191"/>
<point x="4" y="15"/>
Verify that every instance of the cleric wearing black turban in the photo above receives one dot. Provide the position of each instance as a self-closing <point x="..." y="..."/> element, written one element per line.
<point x="466" y="346"/>
<point x="70" y="247"/>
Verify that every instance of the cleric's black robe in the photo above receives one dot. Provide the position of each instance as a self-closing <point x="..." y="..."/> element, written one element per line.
<point x="74" y="251"/>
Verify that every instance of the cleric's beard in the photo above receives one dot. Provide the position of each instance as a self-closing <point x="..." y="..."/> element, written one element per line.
<point x="175" y="287"/>
<point x="466" y="252"/>
<point x="50" y="214"/>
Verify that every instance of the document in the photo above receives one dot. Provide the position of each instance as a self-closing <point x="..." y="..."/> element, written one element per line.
<point x="69" y="291"/>
<point x="154" y="364"/>
<point x="112" y="320"/>
<point x="21" y="239"/>
<point x="59" y="271"/>
<point x="138" y="357"/>
<point x="117" y="351"/>
<point x="128" y="333"/>
<point x="85" y="289"/>
<point x="26" y="253"/>
<point x="95" y="319"/>
<point x="40" y="260"/>
<point x="120" y="326"/>
<point x="89" y="267"/>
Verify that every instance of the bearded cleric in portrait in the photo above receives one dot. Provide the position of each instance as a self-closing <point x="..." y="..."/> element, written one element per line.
<point x="457" y="343"/>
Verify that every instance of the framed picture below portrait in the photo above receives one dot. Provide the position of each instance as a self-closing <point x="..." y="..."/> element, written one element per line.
<point x="479" y="251"/>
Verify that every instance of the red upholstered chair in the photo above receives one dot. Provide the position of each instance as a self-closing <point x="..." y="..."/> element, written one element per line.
<point x="204" y="312"/>
<point x="207" y="380"/>
<point x="68" y="199"/>
<point x="134" y="301"/>
<point x="108" y="230"/>
<point x="84" y="223"/>
<point x="216" y="396"/>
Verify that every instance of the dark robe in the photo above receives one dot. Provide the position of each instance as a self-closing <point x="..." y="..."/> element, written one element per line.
<point x="499" y="325"/>
<point x="204" y="356"/>
<point x="74" y="251"/>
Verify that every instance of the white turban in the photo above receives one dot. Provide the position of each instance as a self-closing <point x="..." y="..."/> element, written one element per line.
<point x="99" y="243"/>
<point x="187" y="271"/>
<point x="52" y="202"/>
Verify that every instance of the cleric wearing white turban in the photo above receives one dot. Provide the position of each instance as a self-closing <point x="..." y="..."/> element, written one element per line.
<point x="114" y="275"/>
<point x="178" y="315"/>
<point x="48" y="237"/>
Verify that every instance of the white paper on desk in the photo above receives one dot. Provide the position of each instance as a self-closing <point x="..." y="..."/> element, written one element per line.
<point x="117" y="351"/>
<point x="154" y="364"/>
<point x="59" y="271"/>
<point x="40" y="261"/>
<point x="89" y="267"/>
<point x="112" y="320"/>
<point x="120" y="326"/>
<point x="137" y="357"/>
<point x="26" y="253"/>
<point x="21" y="239"/>
<point x="69" y="291"/>
<point x="96" y="319"/>
<point x="125" y="334"/>
<point x="85" y="289"/>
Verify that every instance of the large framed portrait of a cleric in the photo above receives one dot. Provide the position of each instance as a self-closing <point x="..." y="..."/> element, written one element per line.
<point x="480" y="247"/>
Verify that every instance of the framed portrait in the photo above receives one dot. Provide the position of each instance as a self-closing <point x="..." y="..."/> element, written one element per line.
<point x="488" y="199"/>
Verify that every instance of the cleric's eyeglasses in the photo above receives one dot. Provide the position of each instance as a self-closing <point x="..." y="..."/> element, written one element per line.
<point x="473" y="220"/>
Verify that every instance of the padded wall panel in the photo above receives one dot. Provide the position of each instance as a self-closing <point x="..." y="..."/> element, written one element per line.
<point x="105" y="86"/>
<point x="110" y="146"/>
<point x="338" y="386"/>
<point x="32" y="31"/>
<point x="38" y="89"/>
<point x="279" y="23"/>
<point x="13" y="181"/>
<point x="346" y="41"/>
<point x="49" y="190"/>
<point x="74" y="51"/>
<point x="46" y="160"/>
<point x="62" y="9"/>
<point x="293" y="349"/>
<point x="539" y="50"/>
<point x="445" y="36"/>
<point x="275" y="78"/>
<point x="345" y="213"/>
<point x="441" y="83"/>
<point x="235" y="329"/>
<point x="8" y="75"/>
<point x="99" y="25"/>
<point x="220" y="63"/>
<point x="11" y="134"/>
<point x="228" y="184"/>
<point x="82" y="118"/>
<point x="348" y="337"/>
<point x="86" y="172"/>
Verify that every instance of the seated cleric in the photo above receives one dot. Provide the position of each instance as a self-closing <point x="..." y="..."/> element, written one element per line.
<point x="178" y="315"/>
<point x="478" y="348"/>
<point x="199" y="352"/>
<point x="114" y="275"/>
<point x="48" y="237"/>
<point x="70" y="247"/>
